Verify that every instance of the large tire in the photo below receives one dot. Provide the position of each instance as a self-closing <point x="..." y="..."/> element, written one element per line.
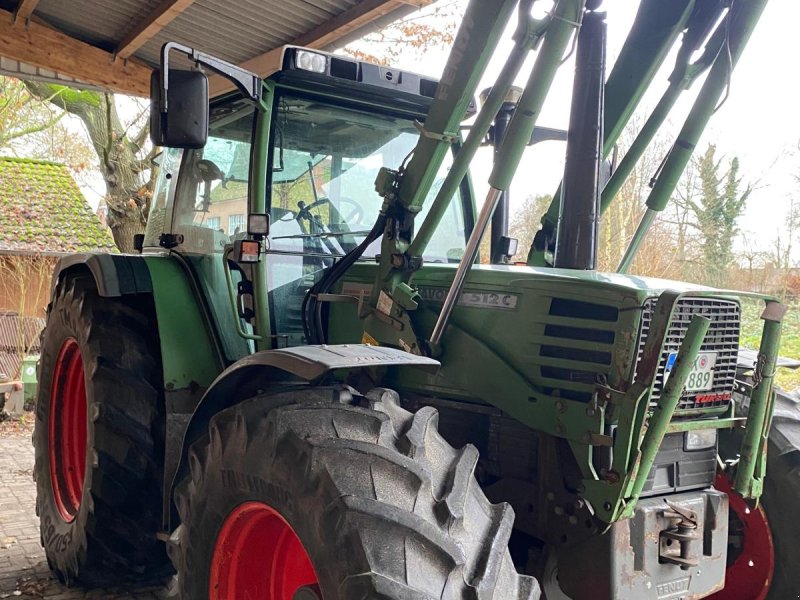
<point x="99" y="416"/>
<point x="382" y="507"/>
<point x="781" y="495"/>
<point x="774" y="538"/>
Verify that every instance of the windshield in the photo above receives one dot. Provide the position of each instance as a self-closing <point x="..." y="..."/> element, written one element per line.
<point x="324" y="163"/>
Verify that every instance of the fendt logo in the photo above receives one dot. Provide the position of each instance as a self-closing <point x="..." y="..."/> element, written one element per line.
<point x="669" y="589"/>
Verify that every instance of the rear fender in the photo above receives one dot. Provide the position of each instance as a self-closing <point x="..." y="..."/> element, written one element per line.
<point x="190" y="353"/>
<point x="114" y="274"/>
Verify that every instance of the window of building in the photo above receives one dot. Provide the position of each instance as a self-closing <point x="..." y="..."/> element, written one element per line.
<point x="235" y="224"/>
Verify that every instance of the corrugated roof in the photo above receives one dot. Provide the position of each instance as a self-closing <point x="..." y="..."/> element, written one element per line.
<point x="101" y="24"/>
<point x="42" y="210"/>
<point x="112" y="44"/>
<point x="234" y="30"/>
<point x="227" y="30"/>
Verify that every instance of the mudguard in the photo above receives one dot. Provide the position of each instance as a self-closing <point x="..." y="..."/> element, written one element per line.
<point x="114" y="274"/>
<point x="276" y="369"/>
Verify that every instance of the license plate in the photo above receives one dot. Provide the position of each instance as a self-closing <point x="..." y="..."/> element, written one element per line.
<point x="701" y="377"/>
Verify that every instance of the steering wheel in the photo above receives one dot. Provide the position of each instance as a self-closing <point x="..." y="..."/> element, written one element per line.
<point x="353" y="217"/>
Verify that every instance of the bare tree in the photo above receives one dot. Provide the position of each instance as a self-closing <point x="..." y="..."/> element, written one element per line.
<point x="418" y="33"/>
<point x="122" y="153"/>
<point x="25" y="289"/>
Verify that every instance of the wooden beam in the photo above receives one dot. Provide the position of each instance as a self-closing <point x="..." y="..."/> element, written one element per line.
<point x="321" y="36"/>
<point x="350" y="20"/>
<point x="42" y="46"/>
<point x="148" y="27"/>
<point x="25" y="9"/>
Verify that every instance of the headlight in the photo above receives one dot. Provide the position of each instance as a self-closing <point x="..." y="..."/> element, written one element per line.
<point x="700" y="439"/>
<point x="311" y="61"/>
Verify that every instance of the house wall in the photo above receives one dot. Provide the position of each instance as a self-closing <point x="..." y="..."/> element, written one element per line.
<point x="224" y="210"/>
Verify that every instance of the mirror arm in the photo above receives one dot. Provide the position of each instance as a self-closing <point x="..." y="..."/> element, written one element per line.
<point x="248" y="83"/>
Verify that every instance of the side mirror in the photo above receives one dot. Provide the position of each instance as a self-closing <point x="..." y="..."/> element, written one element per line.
<point x="184" y="121"/>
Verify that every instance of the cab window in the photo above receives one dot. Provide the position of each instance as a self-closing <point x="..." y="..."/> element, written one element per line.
<point x="324" y="162"/>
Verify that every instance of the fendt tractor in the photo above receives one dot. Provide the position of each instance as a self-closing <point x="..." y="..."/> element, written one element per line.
<point x="305" y="385"/>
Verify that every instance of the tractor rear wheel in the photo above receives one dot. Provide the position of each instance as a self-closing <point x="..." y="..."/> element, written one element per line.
<point x="98" y="462"/>
<point x="325" y="493"/>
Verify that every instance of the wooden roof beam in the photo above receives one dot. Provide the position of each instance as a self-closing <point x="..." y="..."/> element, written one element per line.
<point x="25" y="9"/>
<point x="150" y="26"/>
<point x="321" y="36"/>
<point x="42" y="46"/>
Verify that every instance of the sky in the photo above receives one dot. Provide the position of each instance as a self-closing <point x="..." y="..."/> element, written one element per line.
<point x="759" y="122"/>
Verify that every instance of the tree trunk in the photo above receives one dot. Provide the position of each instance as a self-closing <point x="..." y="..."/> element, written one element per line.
<point x="126" y="197"/>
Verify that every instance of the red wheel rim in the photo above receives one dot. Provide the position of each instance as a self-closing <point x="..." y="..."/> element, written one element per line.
<point x="258" y="555"/>
<point x="749" y="576"/>
<point x="68" y="430"/>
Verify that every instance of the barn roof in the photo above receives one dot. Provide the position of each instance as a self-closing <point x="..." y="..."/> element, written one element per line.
<point x="114" y="44"/>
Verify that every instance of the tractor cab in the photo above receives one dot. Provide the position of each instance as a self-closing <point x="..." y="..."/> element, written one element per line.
<point x="329" y="135"/>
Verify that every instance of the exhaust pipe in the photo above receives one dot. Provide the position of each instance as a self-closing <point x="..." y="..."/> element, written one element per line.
<point x="579" y="216"/>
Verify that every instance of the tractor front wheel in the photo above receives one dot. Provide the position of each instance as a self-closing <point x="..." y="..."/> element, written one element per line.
<point x="322" y="493"/>
<point x="764" y="541"/>
<point x="98" y="461"/>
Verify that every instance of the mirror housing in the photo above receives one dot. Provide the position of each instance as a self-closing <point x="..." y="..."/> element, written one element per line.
<point x="184" y="122"/>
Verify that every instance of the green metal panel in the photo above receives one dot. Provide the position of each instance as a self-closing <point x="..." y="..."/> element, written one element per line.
<point x="187" y="344"/>
<point x="566" y="373"/>
<point x="258" y="205"/>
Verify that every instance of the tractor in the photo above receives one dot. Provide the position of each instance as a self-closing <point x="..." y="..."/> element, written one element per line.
<point x="305" y="384"/>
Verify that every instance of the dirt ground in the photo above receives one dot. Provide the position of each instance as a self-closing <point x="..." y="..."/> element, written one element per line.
<point x="23" y="568"/>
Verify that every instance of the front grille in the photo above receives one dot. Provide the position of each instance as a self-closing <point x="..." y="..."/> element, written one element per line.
<point x="722" y="338"/>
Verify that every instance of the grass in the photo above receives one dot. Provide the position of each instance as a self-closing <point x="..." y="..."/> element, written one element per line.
<point x="787" y="379"/>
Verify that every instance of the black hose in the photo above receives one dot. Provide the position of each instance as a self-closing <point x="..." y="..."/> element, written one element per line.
<point x="312" y="308"/>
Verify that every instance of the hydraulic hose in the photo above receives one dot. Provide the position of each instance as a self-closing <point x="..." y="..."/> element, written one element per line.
<point x="312" y="308"/>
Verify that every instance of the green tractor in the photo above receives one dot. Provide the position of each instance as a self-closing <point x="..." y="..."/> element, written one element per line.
<point x="304" y="389"/>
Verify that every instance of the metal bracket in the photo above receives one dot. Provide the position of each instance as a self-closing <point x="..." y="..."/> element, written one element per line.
<point x="248" y="83"/>
<point x="450" y="138"/>
<point x="684" y="532"/>
<point x="170" y="240"/>
<point x="758" y="370"/>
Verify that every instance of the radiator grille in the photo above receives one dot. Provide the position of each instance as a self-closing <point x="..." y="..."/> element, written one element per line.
<point x="722" y="338"/>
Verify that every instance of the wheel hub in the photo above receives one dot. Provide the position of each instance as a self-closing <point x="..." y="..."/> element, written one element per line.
<point x="258" y="555"/>
<point x="67" y="429"/>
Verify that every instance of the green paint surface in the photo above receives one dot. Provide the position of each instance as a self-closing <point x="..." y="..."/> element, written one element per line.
<point x="186" y="344"/>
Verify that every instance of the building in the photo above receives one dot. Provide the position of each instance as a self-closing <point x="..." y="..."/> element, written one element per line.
<point x="43" y="215"/>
